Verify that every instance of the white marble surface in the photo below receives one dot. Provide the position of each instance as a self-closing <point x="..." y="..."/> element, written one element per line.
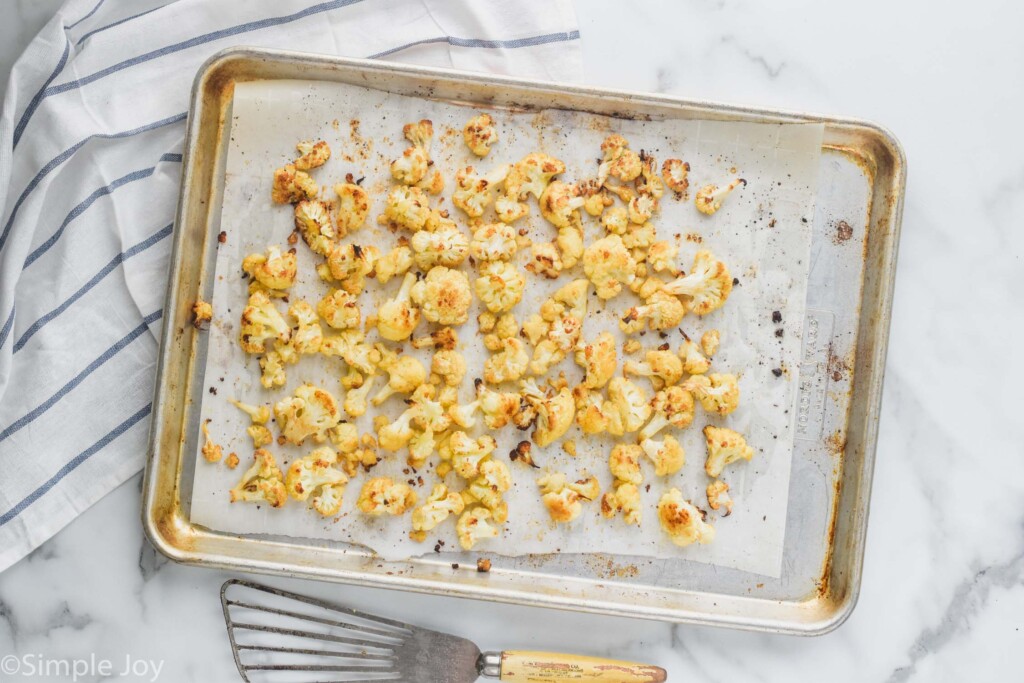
<point x="943" y="591"/>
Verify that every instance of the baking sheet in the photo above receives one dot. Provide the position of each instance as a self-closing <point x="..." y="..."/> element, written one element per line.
<point x="762" y="233"/>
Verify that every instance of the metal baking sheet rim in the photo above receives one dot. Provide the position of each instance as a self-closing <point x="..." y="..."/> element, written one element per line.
<point x="169" y="530"/>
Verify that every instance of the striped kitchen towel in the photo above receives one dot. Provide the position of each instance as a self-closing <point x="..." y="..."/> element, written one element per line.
<point x="90" y="157"/>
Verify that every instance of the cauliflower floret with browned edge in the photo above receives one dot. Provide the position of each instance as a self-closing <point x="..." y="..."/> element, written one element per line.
<point x="709" y="342"/>
<point x="570" y="243"/>
<point x="498" y="408"/>
<point x="398" y="317"/>
<point x="311" y="472"/>
<point x="708" y="285"/>
<point x="382" y="495"/>
<point x="292" y="185"/>
<point x="674" y="172"/>
<point x="272" y="369"/>
<point x="616" y="220"/>
<point x="619" y="160"/>
<point x="262" y="482"/>
<point x="630" y="403"/>
<point x="718" y="496"/>
<point x="717" y="392"/>
<point x="202" y="312"/>
<point x="340" y="310"/>
<point x="596" y="200"/>
<point x="436" y="508"/>
<point x="355" y="404"/>
<point x="448" y="366"/>
<point x="660" y="311"/>
<point x="624" y="463"/>
<point x="307" y="335"/>
<point x="211" y="451"/>
<point x="405" y="375"/>
<point x="598" y="359"/>
<point x="350" y="264"/>
<point x="412" y="166"/>
<point x="309" y="413"/>
<point x="494" y="242"/>
<point x="562" y="337"/>
<point x="559" y="204"/>
<point x="444" y="296"/>
<point x="667" y="455"/>
<point x="649" y="183"/>
<point x="466" y="453"/>
<point x="725" y="446"/>
<point x="313" y="221"/>
<point x="625" y="498"/>
<point x="480" y="134"/>
<point x="672" y="406"/>
<point x="638" y="238"/>
<point x="447" y="246"/>
<point x="407" y="208"/>
<point x="594" y="414"/>
<point x="500" y="286"/>
<point x="257" y="414"/>
<point x="474" y="193"/>
<point x="662" y="367"/>
<point x="694" y="362"/>
<point x="396" y="262"/>
<point x="531" y="175"/>
<point x="509" y="364"/>
<point x="274" y="270"/>
<point x="709" y="198"/>
<point x="353" y="207"/>
<point x="563" y="499"/>
<point x="314" y="154"/>
<point x="641" y="208"/>
<point x="609" y="265"/>
<point x="474" y="526"/>
<point x="444" y="338"/>
<point x="492" y="481"/>
<point x="261" y="322"/>
<point x="661" y="256"/>
<point x="682" y="521"/>
<point x="545" y="259"/>
<point x="554" y="413"/>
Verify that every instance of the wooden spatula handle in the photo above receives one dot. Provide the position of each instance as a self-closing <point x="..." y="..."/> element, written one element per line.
<point x="521" y="666"/>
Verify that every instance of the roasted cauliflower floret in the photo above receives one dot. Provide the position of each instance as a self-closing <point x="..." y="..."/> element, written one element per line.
<point x="649" y="183"/>
<point x="262" y="482"/>
<point x="353" y="207"/>
<point x="667" y="455"/>
<point x="709" y="342"/>
<point x="672" y="406"/>
<point x="683" y="522"/>
<point x="625" y="498"/>
<point x="596" y="199"/>
<point x="350" y="264"/>
<point x="498" y="408"/>
<point x="448" y="366"/>
<point x="494" y="242"/>
<point x="398" y="317"/>
<point x="444" y="338"/>
<point x="308" y="414"/>
<point x="407" y="208"/>
<point x="382" y="495"/>
<point x="710" y="197"/>
<point x="509" y="364"/>
<point x="545" y="259"/>
<point x="272" y="368"/>
<point x="487" y="488"/>
<point x="292" y="185"/>
<point x="436" y="508"/>
<point x="717" y="392"/>
<point x="307" y="335"/>
<point x="674" y="172"/>
<point x="313" y="221"/>
<point x="531" y="175"/>
<point x="630" y="406"/>
<point x="619" y="160"/>
<point x="405" y="375"/>
<point x="412" y="166"/>
<point x="274" y="270"/>
<point x="211" y="451"/>
<point x="661" y="312"/>
<point x="314" y="154"/>
<point x="480" y="134"/>
<point x="593" y="414"/>
<point x="638" y="238"/>
<point x="718" y="496"/>
<point x="661" y="257"/>
<point x="443" y="296"/>
<point x="355" y="404"/>
<point x="261" y="322"/>
<point x="474" y="526"/>
<point x="315" y="471"/>
<point x="609" y="265"/>
<point x="562" y="499"/>
<point x="694" y="362"/>
<point x="396" y="262"/>
<point x="340" y="310"/>
<point x="615" y="220"/>
<point x="598" y="359"/>
<point x="466" y="453"/>
<point x="258" y="415"/>
<point x="641" y="208"/>
<point x="500" y="285"/>
<point x="554" y="413"/>
<point x="559" y="204"/>
<point x="202" y="312"/>
<point x="708" y="285"/>
<point x="624" y="463"/>
<point x="474" y="193"/>
<point x="661" y="366"/>
<point x="447" y="246"/>
<point x="724" y="447"/>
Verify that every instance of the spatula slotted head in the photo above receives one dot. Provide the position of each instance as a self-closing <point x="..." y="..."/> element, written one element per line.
<point x="282" y="637"/>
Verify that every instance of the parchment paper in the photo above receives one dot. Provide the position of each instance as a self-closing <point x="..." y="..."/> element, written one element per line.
<point x="762" y="232"/>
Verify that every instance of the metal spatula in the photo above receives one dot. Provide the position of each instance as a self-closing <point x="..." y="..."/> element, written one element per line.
<point x="281" y="636"/>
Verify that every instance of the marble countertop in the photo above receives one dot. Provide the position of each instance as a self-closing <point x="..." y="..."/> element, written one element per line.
<point x="943" y="587"/>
